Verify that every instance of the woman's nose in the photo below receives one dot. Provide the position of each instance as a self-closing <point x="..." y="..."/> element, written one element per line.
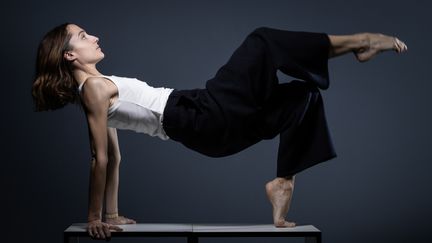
<point x="95" y="39"/>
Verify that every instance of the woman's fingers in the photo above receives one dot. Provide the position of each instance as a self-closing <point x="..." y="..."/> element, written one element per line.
<point x="94" y="232"/>
<point x="131" y="221"/>
<point x="102" y="231"/>
<point x="127" y="220"/>
<point x="90" y="233"/>
<point x="115" y="227"/>
<point x="107" y="231"/>
<point x="122" y="220"/>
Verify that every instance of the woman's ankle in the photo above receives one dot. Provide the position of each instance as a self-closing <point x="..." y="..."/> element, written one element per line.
<point x="343" y="44"/>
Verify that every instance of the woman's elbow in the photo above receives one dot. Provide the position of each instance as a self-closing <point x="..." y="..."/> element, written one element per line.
<point x="101" y="161"/>
<point x="114" y="159"/>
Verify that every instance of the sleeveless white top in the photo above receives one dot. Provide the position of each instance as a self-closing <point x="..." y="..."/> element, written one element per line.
<point x="139" y="106"/>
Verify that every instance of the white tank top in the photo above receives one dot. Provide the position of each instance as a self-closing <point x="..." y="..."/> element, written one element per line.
<point x="139" y="106"/>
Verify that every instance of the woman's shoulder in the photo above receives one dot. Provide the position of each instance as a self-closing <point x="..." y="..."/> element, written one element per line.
<point x="93" y="86"/>
<point x="95" y="82"/>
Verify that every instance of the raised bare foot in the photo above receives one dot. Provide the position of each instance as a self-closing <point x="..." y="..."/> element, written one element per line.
<point x="374" y="43"/>
<point x="120" y="220"/>
<point x="279" y="192"/>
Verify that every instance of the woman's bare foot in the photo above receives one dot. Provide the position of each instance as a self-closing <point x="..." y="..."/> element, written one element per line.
<point x="120" y="220"/>
<point x="279" y="192"/>
<point x="374" y="43"/>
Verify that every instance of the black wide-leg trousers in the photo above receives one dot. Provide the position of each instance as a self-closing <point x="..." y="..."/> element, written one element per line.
<point x="245" y="103"/>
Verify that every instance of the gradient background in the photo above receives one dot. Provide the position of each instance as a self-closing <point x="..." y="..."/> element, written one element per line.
<point x="376" y="190"/>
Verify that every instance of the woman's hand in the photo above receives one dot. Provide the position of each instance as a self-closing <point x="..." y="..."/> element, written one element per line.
<point x="100" y="230"/>
<point x="120" y="220"/>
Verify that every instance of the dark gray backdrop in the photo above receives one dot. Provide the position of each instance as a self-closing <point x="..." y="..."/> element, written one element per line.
<point x="376" y="190"/>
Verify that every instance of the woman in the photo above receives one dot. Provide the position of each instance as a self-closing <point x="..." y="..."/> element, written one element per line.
<point x="241" y="105"/>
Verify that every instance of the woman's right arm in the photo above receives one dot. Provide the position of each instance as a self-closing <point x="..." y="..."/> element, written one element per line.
<point x="95" y="97"/>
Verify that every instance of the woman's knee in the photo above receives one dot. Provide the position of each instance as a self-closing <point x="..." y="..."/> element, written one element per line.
<point x="260" y="31"/>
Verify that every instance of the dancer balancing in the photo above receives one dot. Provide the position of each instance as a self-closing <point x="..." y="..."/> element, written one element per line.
<point x="241" y="105"/>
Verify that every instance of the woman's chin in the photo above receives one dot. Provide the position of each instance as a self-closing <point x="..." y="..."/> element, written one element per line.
<point x="101" y="57"/>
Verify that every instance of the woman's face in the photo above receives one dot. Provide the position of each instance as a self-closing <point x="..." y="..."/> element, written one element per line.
<point x="84" y="48"/>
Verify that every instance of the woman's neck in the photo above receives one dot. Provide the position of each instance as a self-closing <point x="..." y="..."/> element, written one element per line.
<point x="81" y="75"/>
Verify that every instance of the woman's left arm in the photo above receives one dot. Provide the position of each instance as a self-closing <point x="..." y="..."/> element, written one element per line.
<point x="112" y="184"/>
<point x="111" y="190"/>
<point x="113" y="146"/>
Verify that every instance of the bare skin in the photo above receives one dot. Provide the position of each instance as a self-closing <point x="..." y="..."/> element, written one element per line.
<point x="120" y="220"/>
<point x="365" y="46"/>
<point x="279" y="192"/>
<point x="99" y="93"/>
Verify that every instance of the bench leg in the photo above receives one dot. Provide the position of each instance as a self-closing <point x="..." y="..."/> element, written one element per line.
<point x="192" y="239"/>
<point x="313" y="239"/>
<point x="71" y="239"/>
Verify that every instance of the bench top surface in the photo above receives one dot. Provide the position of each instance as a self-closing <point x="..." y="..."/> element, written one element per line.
<point x="202" y="228"/>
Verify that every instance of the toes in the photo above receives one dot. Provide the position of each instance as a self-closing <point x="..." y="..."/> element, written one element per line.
<point x="404" y="46"/>
<point x="128" y="220"/>
<point x="285" y="224"/>
<point x="400" y="46"/>
<point x="396" y="45"/>
<point x="289" y="224"/>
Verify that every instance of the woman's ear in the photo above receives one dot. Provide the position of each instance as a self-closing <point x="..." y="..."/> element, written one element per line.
<point x="68" y="55"/>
